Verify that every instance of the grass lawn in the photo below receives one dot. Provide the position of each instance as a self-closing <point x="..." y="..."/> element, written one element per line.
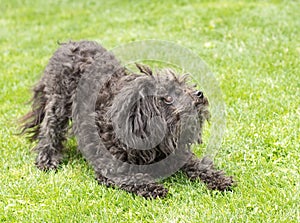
<point x="253" y="49"/>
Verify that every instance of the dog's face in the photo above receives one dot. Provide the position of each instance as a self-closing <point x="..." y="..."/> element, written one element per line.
<point x="150" y="110"/>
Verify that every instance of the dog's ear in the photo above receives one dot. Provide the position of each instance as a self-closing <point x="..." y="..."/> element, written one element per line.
<point x="136" y="116"/>
<point x="144" y="69"/>
<point x="141" y="114"/>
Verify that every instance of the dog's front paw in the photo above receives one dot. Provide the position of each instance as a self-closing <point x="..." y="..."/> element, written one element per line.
<point x="151" y="190"/>
<point x="220" y="182"/>
<point x="47" y="161"/>
<point x="102" y="180"/>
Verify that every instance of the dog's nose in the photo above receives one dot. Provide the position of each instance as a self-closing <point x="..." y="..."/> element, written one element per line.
<point x="199" y="94"/>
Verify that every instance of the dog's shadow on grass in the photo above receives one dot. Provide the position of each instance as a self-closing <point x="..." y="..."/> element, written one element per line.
<point x="72" y="155"/>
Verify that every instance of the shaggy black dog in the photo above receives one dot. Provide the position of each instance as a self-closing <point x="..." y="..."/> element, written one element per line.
<point x="141" y="120"/>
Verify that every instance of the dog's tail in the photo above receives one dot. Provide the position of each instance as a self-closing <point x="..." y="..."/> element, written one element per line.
<point x="31" y="122"/>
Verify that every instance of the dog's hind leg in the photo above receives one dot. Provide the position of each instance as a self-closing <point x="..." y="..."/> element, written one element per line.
<point x="47" y="124"/>
<point x="52" y="134"/>
<point x="204" y="170"/>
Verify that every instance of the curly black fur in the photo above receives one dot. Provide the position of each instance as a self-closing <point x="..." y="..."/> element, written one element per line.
<point x="54" y="101"/>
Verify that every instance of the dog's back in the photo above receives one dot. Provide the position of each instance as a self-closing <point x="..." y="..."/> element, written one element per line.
<point x="60" y="77"/>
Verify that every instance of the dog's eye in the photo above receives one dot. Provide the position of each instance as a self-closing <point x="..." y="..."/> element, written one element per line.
<point x="168" y="100"/>
<point x="199" y="94"/>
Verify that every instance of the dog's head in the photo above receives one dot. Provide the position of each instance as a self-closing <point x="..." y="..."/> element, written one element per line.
<point x="152" y="110"/>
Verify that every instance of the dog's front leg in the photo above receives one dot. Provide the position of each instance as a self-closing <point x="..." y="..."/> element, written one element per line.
<point x="204" y="169"/>
<point x="137" y="184"/>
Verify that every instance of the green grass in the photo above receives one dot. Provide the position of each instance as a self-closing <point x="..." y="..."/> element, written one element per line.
<point x="253" y="49"/>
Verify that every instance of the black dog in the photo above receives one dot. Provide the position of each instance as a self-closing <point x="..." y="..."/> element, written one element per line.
<point x="131" y="111"/>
